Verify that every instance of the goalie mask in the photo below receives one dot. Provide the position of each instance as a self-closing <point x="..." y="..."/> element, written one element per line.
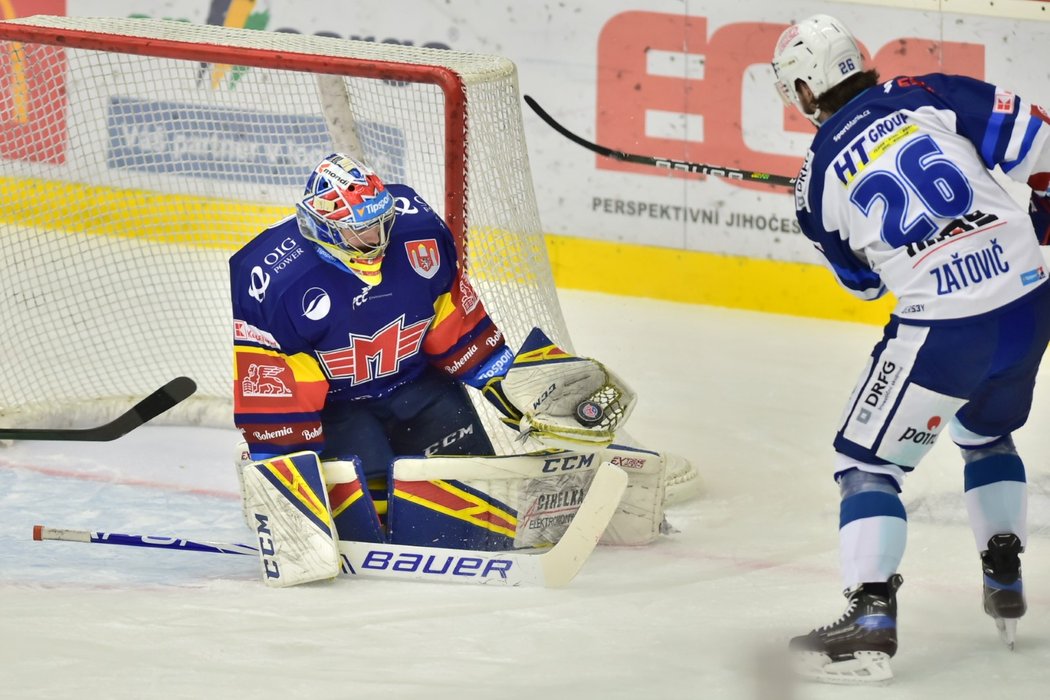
<point x="347" y="210"/>
<point x="818" y="50"/>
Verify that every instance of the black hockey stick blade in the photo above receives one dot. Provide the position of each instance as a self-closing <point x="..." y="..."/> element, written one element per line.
<point x="667" y="163"/>
<point x="172" y="393"/>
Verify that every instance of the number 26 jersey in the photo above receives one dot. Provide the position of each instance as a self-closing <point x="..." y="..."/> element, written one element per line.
<point x="896" y="193"/>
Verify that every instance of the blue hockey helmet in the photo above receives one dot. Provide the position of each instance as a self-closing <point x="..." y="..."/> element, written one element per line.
<point x="348" y="211"/>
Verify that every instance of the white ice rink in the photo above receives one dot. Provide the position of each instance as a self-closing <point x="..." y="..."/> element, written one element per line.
<point x="751" y="399"/>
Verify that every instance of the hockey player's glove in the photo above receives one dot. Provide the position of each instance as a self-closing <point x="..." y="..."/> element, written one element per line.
<point x="557" y="398"/>
<point x="1039" y="211"/>
<point x="564" y="400"/>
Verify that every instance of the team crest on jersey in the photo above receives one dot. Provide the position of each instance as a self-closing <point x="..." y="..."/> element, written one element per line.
<point x="469" y="299"/>
<point x="424" y="257"/>
<point x="378" y="355"/>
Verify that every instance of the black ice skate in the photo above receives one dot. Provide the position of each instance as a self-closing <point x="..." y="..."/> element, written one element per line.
<point x="858" y="646"/>
<point x="1003" y="592"/>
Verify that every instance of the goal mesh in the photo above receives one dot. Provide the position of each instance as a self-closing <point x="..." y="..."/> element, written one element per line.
<point x="136" y="155"/>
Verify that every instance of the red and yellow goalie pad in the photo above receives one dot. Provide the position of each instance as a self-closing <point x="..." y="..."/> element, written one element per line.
<point x="517" y="501"/>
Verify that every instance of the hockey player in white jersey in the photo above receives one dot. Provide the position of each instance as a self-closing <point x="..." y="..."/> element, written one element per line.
<point x="896" y="192"/>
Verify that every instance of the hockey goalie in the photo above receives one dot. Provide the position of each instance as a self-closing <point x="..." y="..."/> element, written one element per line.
<point x="356" y="338"/>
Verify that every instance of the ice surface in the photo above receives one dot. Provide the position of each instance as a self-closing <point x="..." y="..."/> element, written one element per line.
<point x="751" y="399"/>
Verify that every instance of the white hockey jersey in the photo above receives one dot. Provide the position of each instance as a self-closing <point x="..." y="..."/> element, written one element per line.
<point x="897" y="194"/>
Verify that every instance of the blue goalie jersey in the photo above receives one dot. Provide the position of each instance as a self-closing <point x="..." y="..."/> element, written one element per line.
<point x="308" y="332"/>
<point x="896" y="193"/>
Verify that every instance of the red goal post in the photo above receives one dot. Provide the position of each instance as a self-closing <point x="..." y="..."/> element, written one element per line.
<point x="136" y="155"/>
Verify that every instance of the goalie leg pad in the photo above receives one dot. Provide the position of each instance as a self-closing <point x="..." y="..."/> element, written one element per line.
<point x="639" y="518"/>
<point x="488" y="503"/>
<point x="242" y="459"/>
<point x="287" y="502"/>
<point x="682" y="479"/>
<point x="519" y="501"/>
<point x="456" y="514"/>
<point x="353" y="511"/>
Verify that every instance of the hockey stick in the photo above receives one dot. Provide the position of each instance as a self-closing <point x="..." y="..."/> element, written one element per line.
<point x="554" y="568"/>
<point x="172" y="393"/>
<point x="668" y="163"/>
<point x="41" y="533"/>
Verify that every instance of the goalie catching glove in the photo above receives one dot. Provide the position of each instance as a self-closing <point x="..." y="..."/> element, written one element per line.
<point x="558" y="398"/>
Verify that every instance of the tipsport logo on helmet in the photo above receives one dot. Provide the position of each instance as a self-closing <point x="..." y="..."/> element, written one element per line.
<point x="373" y="209"/>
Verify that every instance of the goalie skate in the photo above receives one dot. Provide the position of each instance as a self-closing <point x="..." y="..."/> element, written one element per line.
<point x="1003" y="591"/>
<point x="855" y="649"/>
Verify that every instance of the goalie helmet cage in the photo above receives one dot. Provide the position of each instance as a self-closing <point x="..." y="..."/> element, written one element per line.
<point x="136" y="155"/>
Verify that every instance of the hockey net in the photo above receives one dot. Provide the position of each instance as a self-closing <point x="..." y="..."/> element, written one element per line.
<point x="136" y="155"/>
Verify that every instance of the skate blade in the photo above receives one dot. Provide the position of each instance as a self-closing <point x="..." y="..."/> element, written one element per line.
<point x="865" y="668"/>
<point x="1007" y="631"/>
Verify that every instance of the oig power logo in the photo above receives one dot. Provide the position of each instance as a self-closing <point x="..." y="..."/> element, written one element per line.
<point x="283" y="253"/>
<point x="257" y="284"/>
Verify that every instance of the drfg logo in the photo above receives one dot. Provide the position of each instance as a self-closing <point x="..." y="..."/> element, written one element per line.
<point x="922" y="437"/>
<point x="876" y="392"/>
<point x="656" y="68"/>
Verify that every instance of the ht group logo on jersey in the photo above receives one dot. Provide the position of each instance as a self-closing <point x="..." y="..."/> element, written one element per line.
<point x="33" y="85"/>
<point x="671" y="84"/>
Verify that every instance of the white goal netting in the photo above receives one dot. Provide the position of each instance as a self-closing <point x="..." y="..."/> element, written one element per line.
<point x="137" y="155"/>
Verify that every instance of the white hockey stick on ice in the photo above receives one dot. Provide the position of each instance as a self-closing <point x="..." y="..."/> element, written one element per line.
<point x="553" y="568"/>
